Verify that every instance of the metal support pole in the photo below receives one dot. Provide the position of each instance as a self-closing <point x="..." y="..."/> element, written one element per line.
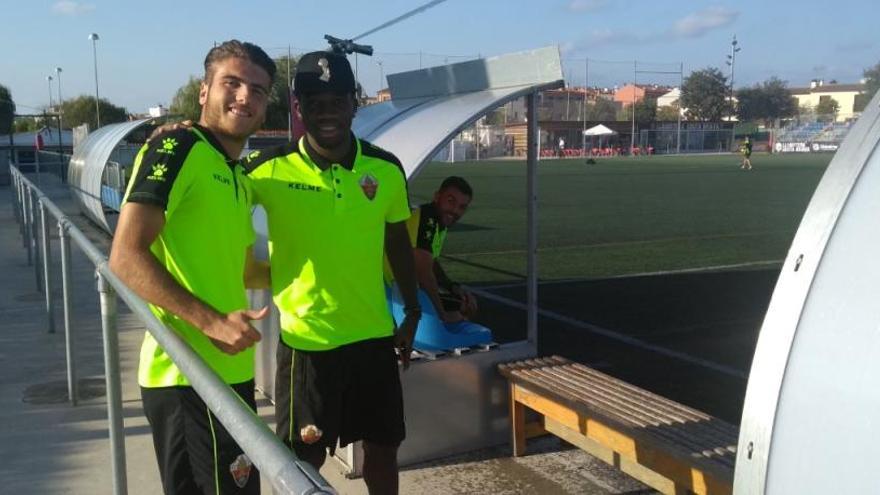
<point x="19" y="211"/>
<point x="680" y="84"/>
<point x="38" y="268"/>
<point x="23" y="212"/>
<point x="532" y="199"/>
<point x="114" y="388"/>
<point x="47" y="263"/>
<point x="28" y="215"/>
<point x="64" y="242"/>
<point x="632" y="139"/>
<point x="14" y="186"/>
<point x="584" y="113"/>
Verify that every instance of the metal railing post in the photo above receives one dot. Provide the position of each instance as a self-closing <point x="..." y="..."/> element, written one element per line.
<point x="47" y="263"/>
<point x="64" y="242"/>
<point x="35" y="244"/>
<point x="114" y="388"/>
<point x="26" y="238"/>
<point x="20" y="198"/>
<point x="14" y="186"/>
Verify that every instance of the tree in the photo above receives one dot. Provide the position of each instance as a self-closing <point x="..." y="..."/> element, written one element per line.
<point x="81" y="110"/>
<point x="279" y="101"/>
<point x="601" y="109"/>
<point x="872" y="84"/>
<point x="646" y="111"/>
<point x="704" y="94"/>
<point x="28" y="124"/>
<point x="7" y="110"/>
<point x="806" y="112"/>
<point x="766" y="102"/>
<point x="668" y="113"/>
<point x="827" y="107"/>
<point x="186" y="101"/>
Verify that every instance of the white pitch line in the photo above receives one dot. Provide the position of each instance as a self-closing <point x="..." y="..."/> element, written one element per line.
<point x="715" y="268"/>
<point x="576" y="247"/>
<point x="727" y="370"/>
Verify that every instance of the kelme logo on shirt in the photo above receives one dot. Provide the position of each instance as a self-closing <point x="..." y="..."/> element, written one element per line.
<point x="168" y="145"/>
<point x="369" y="184"/>
<point x="299" y="186"/>
<point x="223" y="180"/>
<point x="158" y="173"/>
<point x="253" y="155"/>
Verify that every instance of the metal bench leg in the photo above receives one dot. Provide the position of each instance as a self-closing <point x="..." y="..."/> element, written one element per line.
<point x="517" y="424"/>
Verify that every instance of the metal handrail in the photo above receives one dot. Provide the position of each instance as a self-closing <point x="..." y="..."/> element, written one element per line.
<point x="277" y="463"/>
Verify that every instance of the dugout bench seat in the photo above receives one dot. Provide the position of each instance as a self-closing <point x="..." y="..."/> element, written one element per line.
<point x="668" y="446"/>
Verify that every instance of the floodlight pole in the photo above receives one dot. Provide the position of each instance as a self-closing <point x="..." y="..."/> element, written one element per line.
<point x="632" y="139"/>
<point x="60" y="114"/>
<point x="94" y="39"/>
<point x="381" y="76"/>
<point x="680" y="84"/>
<point x="584" y="113"/>
<point x="49" y="80"/>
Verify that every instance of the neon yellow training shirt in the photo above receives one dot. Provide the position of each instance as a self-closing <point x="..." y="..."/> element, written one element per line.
<point x="202" y="245"/>
<point x="327" y="239"/>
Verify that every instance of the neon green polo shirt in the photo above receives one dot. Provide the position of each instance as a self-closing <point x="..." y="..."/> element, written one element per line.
<point x="207" y="230"/>
<point x="327" y="239"/>
<point x="426" y="232"/>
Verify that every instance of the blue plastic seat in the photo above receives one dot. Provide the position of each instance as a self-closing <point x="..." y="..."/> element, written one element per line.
<point x="433" y="334"/>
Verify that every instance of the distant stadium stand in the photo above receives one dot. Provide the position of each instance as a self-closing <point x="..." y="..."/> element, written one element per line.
<point x="811" y="136"/>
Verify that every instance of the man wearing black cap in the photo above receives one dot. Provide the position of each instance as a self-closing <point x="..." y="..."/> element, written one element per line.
<point x="335" y="204"/>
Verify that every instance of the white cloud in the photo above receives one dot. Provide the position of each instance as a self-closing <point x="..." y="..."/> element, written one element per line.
<point x="700" y="23"/>
<point x="691" y="26"/>
<point x="69" y="7"/>
<point x="586" y="5"/>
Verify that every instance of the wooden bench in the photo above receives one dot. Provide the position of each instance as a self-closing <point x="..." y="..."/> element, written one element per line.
<point x="668" y="446"/>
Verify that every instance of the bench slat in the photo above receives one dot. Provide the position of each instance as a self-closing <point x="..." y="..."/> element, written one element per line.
<point x="671" y="434"/>
<point x="644" y="412"/>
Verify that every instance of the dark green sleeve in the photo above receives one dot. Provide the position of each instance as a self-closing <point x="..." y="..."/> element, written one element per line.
<point x="158" y="167"/>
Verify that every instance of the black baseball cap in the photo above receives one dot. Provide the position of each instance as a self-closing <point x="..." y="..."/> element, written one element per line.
<point x="323" y="71"/>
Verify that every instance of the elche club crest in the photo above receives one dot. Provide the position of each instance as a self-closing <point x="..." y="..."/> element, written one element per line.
<point x="369" y="185"/>
<point x="241" y="470"/>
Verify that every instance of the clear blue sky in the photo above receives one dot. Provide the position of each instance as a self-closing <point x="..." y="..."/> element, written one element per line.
<point x="149" y="48"/>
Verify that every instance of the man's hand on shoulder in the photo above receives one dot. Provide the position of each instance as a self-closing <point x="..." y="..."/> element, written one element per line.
<point x="170" y="127"/>
<point x="233" y="333"/>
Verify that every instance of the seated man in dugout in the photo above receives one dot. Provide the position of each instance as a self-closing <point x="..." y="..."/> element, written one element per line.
<point x="427" y="227"/>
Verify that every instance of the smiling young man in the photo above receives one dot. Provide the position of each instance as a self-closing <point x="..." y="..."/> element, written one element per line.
<point x="183" y="243"/>
<point x="334" y="204"/>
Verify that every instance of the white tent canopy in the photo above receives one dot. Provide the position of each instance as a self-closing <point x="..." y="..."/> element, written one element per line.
<point x="599" y="130"/>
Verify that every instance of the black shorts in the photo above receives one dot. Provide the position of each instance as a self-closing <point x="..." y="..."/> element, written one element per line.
<point x="193" y="448"/>
<point x="350" y="393"/>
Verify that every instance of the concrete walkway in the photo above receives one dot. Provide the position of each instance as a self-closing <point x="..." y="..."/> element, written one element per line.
<point x="48" y="446"/>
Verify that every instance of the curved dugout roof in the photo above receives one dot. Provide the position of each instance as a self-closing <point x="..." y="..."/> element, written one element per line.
<point x="809" y="420"/>
<point x="86" y="170"/>
<point x="430" y="106"/>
